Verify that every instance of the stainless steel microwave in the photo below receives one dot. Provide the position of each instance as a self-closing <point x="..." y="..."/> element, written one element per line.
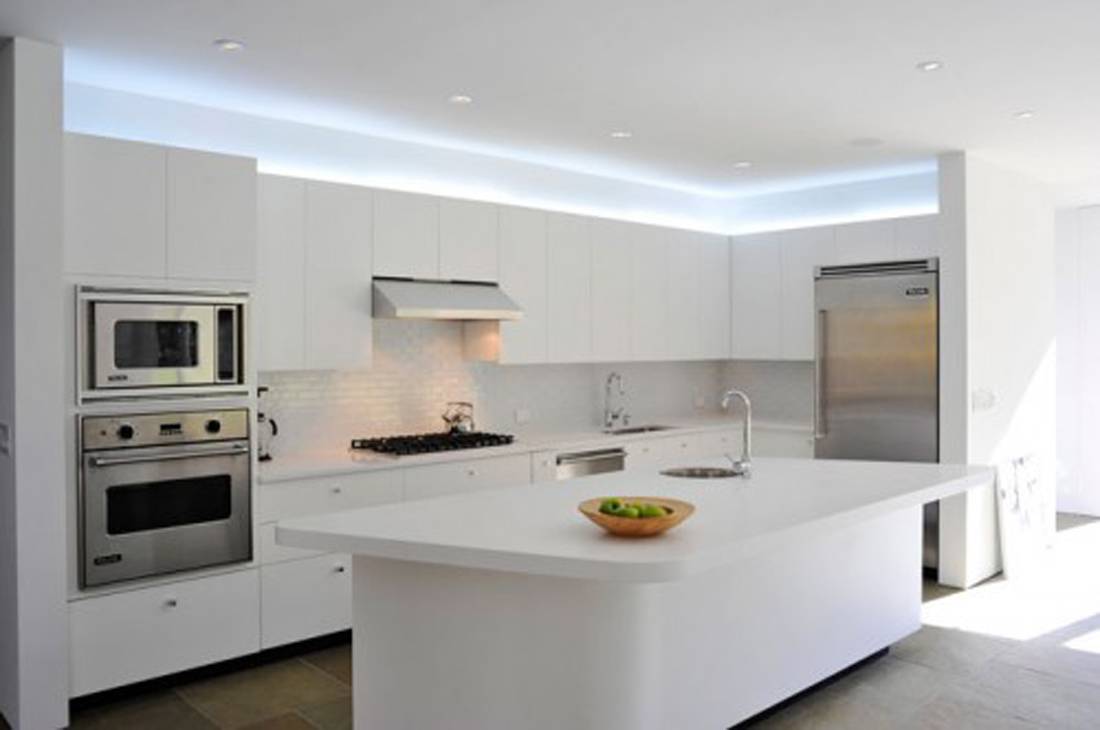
<point x="147" y="343"/>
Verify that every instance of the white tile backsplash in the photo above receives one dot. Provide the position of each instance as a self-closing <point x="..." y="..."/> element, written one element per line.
<point x="418" y="367"/>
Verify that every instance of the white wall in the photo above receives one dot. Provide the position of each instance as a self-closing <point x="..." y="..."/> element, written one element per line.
<point x="999" y="299"/>
<point x="33" y="550"/>
<point x="1078" y="303"/>
<point x="303" y="150"/>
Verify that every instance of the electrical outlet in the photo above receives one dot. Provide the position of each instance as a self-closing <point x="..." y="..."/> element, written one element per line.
<point x="523" y="416"/>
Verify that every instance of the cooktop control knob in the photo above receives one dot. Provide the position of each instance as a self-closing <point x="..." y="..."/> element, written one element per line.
<point x="125" y="432"/>
<point x="213" y="426"/>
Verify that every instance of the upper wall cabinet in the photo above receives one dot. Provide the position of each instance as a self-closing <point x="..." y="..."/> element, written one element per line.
<point x="406" y="235"/>
<point x="683" y="298"/>
<point x="649" y="280"/>
<point x="134" y="209"/>
<point x="468" y="236"/>
<point x="756" y="297"/>
<point x="114" y="207"/>
<point x="313" y="297"/>
<point x="712" y="260"/>
<point x="611" y="311"/>
<point x="801" y="252"/>
<point x="867" y="242"/>
<point x="211" y="224"/>
<point x="278" y="306"/>
<point x="523" y="277"/>
<point x="569" y="288"/>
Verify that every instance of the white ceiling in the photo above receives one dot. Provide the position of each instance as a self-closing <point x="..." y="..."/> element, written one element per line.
<point x="788" y="84"/>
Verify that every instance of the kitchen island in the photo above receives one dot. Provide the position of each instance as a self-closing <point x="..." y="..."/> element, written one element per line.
<point x="508" y="609"/>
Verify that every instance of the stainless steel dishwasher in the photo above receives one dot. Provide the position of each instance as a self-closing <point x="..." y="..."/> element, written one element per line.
<point x="587" y="463"/>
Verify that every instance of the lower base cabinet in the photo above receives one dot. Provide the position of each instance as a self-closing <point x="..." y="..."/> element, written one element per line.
<point x="129" y="637"/>
<point x="301" y="599"/>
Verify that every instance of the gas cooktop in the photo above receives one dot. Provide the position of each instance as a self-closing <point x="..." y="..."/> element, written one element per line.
<point x="430" y="443"/>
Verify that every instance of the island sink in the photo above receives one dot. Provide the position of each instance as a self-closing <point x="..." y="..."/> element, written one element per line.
<point x="701" y="472"/>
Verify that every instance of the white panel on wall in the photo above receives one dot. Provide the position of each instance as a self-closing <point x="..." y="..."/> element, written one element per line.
<point x="865" y="243"/>
<point x="279" y="304"/>
<point x="649" y="293"/>
<point x="338" y="276"/>
<point x="757" y="306"/>
<point x="611" y="314"/>
<point x="523" y="277"/>
<point x="917" y="237"/>
<point x="569" y="295"/>
<point x="114" y="207"/>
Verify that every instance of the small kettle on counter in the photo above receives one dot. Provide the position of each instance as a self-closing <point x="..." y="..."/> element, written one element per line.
<point x="459" y="417"/>
<point x="268" y="430"/>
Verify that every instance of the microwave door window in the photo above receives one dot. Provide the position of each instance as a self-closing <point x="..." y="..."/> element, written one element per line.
<point x="156" y="344"/>
<point x="168" y="503"/>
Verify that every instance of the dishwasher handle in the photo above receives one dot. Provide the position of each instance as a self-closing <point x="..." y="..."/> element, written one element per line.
<point x="581" y="457"/>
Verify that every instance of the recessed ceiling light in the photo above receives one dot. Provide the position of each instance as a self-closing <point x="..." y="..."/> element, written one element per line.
<point x="927" y="66"/>
<point x="460" y="99"/>
<point x="865" y="142"/>
<point x="621" y="134"/>
<point x="742" y="165"/>
<point x="1024" y="114"/>
<point x="228" y="44"/>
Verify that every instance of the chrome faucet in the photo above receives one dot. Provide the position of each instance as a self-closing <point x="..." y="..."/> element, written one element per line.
<point x="610" y="415"/>
<point x="742" y="466"/>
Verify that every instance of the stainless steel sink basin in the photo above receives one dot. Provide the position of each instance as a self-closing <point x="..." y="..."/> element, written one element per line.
<point x="635" y="429"/>
<point x="701" y="472"/>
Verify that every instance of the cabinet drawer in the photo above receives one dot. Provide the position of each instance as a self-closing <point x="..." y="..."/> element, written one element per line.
<point x="128" y="637"/>
<point x="272" y="552"/>
<point x="305" y="598"/>
<point x="424" y="482"/>
<point x="283" y="500"/>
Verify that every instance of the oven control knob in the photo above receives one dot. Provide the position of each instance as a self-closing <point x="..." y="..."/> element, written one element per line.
<point x="125" y="432"/>
<point x="213" y="426"/>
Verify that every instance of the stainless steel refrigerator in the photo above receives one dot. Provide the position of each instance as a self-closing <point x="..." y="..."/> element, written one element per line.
<point x="876" y="369"/>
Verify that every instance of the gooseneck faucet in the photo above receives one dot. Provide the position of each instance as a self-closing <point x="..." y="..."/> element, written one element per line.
<point x="742" y="466"/>
<point x="610" y="415"/>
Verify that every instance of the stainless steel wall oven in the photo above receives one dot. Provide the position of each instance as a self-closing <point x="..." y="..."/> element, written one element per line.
<point x="163" y="492"/>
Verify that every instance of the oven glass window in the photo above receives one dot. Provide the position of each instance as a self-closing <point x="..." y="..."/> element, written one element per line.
<point x="147" y="343"/>
<point x="168" y="503"/>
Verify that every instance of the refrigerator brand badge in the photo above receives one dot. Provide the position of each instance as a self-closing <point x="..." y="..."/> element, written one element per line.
<point x="917" y="291"/>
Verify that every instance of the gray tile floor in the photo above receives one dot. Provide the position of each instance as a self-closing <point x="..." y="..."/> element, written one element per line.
<point x="1004" y="655"/>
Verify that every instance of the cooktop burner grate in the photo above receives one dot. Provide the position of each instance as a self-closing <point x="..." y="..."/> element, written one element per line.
<point x="430" y="443"/>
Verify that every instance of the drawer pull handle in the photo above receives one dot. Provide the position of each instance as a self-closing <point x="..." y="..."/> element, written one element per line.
<point x="471" y="472"/>
<point x="337" y="490"/>
<point x="171" y="603"/>
<point x="338" y="569"/>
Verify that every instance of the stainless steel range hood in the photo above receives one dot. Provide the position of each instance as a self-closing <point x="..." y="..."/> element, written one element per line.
<point x="413" y="299"/>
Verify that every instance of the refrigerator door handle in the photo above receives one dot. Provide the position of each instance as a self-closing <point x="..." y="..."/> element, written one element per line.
<point x="820" y="425"/>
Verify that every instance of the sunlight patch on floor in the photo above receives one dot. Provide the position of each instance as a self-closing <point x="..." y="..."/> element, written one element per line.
<point x="1064" y="592"/>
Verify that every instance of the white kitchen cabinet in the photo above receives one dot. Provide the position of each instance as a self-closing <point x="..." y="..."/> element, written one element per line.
<point x="756" y="297"/>
<point x="406" y="235"/>
<point x="569" y="294"/>
<point x="713" y="261"/>
<point x="303" y="497"/>
<point x="273" y="552"/>
<point x="802" y="251"/>
<point x="337" y="277"/>
<point x="211" y="216"/>
<point x="916" y="237"/>
<point x="468" y="236"/>
<point x="523" y="277"/>
<point x="867" y="242"/>
<point x="611" y="277"/>
<point x="544" y="467"/>
<point x="301" y="599"/>
<point x="649" y="293"/>
<point x="278" y="306"/>
<point x="683" y="300"/>
<point x="457" y="477"/>
<point x="127" y="637"/>
<point x="114" y="207"/>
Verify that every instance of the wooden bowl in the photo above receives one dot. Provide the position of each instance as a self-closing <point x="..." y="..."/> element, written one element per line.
<point x="642" y="526"/>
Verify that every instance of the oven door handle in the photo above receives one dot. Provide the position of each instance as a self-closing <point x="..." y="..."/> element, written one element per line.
<point x="119" y="460"/>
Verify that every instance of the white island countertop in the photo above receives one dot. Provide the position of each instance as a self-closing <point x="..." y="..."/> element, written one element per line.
<point x="536" y="529"/>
